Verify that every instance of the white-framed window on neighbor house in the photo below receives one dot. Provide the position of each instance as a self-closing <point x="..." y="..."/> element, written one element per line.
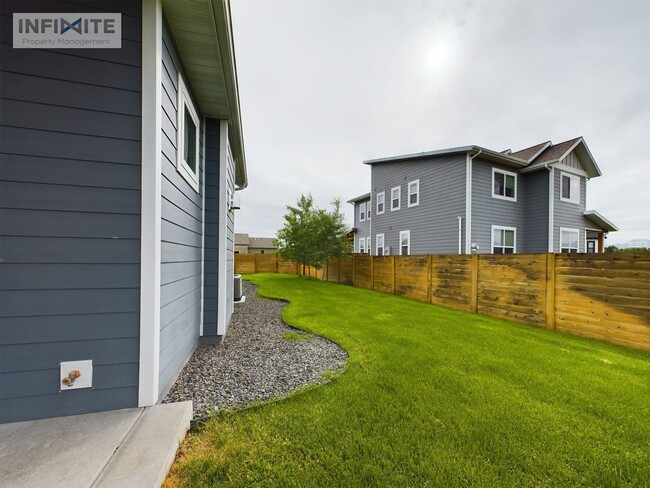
<point x="395" y="197"/>
<point x="414" y="193"/>
<point x="381" y="203"/>
<point x="405" y="242"/>
<point x="379" y="244"/>
<point x="368" y="207"/>
<point x="187" y="142"/>
<point x="569" y="188"/>
<point x="504" y="240"/>
<point x="362" y="212"/>
<point x="569" y="240"/>
<point x="504" y="184"/>
<point x="362" y="245"/>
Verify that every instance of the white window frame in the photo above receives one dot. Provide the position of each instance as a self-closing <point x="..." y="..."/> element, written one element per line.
<point x="399" y="198"/>
<point x="378" y="238"/>
<point x="415" y="183"/>
<point x="185" y="102"/>
<point x="406" y="233"/>
<point x="574" y="187"/>
<point x="381" y="196"/>
<point x="502" y="227"/>
<point x="362" y="245"/>
<point x="570" y="230"/>
<point x="505" y="173"/>
<point x="362" y="212"/>
<point x="368" y="208"/>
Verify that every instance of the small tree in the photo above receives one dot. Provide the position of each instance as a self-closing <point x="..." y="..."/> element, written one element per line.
<point x="310" y="236"/>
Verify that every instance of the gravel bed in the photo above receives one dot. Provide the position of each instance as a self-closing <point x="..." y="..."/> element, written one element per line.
<point x="260" y="359"/>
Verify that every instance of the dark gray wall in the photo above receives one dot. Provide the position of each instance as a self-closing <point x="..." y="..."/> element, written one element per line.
<point x="434" y="222"/>
<point x="488" y="211"/>
<point x="70" y="128"/>
<point x="211" y="258"/>
<point x="536" y="211"/>
<point x="181" y="235"/>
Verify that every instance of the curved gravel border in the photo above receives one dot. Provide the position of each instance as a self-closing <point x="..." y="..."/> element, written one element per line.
<point x="260" y="359"/>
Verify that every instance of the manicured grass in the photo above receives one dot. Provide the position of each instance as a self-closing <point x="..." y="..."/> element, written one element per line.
<point x="434" y="397"/>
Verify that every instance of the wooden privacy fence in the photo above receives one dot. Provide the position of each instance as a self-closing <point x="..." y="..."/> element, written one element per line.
<point x="600" y="296"/>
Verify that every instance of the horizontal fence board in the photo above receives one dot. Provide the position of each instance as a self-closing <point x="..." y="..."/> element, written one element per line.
<point x="599" y="296"/>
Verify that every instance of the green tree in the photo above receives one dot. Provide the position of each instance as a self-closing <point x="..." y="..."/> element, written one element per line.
<point x="310" y="236"/>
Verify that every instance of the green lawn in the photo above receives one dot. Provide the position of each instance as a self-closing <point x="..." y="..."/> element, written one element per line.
<point x="434" y="397"/>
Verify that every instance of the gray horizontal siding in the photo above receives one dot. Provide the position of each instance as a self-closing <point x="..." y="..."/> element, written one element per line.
<point x="488" y="211"/>
<point x="569" y="215"/>
<point x="181" y="235"/>
<point x="70" y="126"/>
<point x="434" y="222"/>
<point x="363" y="228"/>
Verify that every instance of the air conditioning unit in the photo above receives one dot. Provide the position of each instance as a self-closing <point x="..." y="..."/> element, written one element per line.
<point x="387" y="251"/>
<point x="238" y="288"/>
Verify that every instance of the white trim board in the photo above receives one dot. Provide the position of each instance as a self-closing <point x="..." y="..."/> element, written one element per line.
<point x="150" y="233"/>
<point x="222" y="253"/>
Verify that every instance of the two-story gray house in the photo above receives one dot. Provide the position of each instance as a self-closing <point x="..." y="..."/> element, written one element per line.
<point x="475" y="200"/>
<point x="118" y="171"/>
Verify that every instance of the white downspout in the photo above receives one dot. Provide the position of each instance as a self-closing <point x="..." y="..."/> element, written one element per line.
<point x="468" y="203"/>
<point x="551" y="206"/>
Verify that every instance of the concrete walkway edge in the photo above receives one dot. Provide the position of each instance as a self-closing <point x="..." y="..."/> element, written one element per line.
<point x="147" y="452"/>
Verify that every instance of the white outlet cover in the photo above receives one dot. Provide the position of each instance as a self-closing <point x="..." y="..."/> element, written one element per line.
<point x="84" y="381"/>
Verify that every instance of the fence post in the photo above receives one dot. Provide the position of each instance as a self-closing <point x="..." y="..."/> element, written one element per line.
<point x="429" y="278"/>
<point x="394" y="283"/>
<point x="277" y="264"/>
<point x="372" y="272"/>
<point x="550" y="291"/>
<point x="474" y="290"/>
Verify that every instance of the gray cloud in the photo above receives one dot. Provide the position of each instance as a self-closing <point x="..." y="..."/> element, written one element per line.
<point x="327" y="84"/>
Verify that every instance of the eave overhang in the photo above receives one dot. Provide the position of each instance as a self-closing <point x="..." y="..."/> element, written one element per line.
<point x="202" y="32"/>
<point x="366" y="196"/>
<point x="584" y="155"/>
<point x="600" y="221"/>
<point x="483" y="153"/>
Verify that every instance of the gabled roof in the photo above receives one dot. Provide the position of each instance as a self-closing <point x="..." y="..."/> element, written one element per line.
<point x="532" y="152"/>
<point x="600" y="221"/>
<point x="556" y="153"/>
<point x="526" y="160"/>
<point x="365" y="196"/>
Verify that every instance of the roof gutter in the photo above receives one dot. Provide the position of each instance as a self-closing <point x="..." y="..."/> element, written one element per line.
<point x="223" y="28"/>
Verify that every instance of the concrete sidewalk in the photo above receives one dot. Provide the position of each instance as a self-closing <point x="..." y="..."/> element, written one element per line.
<point x="121" y="448"/>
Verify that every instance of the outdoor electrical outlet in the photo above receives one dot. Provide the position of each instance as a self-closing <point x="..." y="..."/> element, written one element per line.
<point x="76" y="374"/>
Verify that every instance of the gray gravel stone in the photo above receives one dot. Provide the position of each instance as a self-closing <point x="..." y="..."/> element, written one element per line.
<point x="260" y="359"/>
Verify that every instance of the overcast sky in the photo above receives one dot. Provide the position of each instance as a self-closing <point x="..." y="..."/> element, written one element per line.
<point x="327" y="84"/>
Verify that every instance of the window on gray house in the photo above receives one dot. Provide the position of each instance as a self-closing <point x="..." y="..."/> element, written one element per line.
<point x="504" y="184"/>
<point x="503" y="240"/>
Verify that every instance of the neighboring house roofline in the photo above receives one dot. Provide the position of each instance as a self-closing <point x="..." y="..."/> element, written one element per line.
<point x="579" y="146"/>
<point x="600" y="221"/>
<point x="530" y="153"/>
<point x="487" y="154"/>
<point x="365" y="196"/>
<point x="209" y="58"/>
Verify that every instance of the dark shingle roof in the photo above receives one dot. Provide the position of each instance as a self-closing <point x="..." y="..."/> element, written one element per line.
<point x="553" y="153"/>
<point x="529" y="152"/>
